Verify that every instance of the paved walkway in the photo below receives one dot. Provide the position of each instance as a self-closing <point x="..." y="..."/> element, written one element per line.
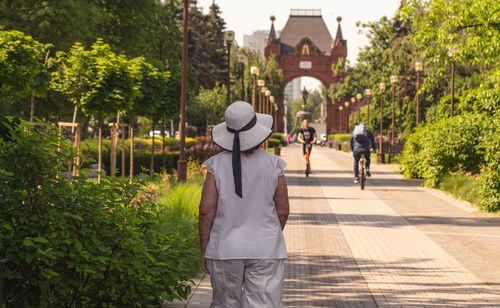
<point x="394" y="244"/>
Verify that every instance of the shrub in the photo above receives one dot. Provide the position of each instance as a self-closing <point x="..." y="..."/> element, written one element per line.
<point x="339" y="137"/>
<point x="445" y="146"/>
<point x="279" y="136"/>
<point x="274" y="143"/>
<point x="191" y="131"/>
<point x="489" y="180"/>
<point x="83" y="244"/>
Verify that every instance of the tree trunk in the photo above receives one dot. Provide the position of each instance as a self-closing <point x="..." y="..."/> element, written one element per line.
<point x="32" y="106"/>
<point x="99" y="159"/>
<point x="163" y="142"/>
<point x="114" y="144"/>
<point x="151" y="171"/>
<point x="131" y="137"/>
<point x="75" y="111"/>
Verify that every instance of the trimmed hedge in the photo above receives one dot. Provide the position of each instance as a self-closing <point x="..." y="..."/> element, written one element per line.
<point x="339" y="137"/>
<point x="274" y="143"/>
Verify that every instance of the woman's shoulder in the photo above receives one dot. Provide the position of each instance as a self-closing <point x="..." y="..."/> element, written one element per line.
<point x="277" y="162"/>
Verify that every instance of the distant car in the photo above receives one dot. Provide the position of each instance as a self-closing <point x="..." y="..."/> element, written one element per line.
<point x="321" y="140"/>
<point x="157" y="133"/>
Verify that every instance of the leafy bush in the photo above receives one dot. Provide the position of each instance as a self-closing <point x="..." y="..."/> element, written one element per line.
<point x="489" y="181"/>
<point x="279" y="136"/>
<point x="83" y="244"/>
<point x="90" y="146"/>
<point x="339" y="137"/>
<point x="464" y="143"/>
<point x="274" y="143"/>
<point x="445" y="146"/>
<point x="191" y="131"/>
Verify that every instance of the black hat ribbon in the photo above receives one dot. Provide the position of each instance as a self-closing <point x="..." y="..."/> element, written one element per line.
<point x="237" y="154"/>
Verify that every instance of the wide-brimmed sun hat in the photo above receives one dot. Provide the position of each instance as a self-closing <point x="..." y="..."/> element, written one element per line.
<point x="243" y="130"/>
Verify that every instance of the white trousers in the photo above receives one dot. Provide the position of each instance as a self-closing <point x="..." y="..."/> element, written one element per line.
<point x="246" y="283"/>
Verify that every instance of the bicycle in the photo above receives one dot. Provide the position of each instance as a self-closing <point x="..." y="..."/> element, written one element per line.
<point x="308" y="165"/>
<point x="362" y="171"/>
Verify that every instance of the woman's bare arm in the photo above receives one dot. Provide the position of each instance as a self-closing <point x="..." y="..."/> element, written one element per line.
<point x="281" y="201"/>
<point x="208" y="208"/>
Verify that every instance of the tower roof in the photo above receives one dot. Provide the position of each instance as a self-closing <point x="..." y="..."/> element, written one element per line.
<point x="302" y="24"/>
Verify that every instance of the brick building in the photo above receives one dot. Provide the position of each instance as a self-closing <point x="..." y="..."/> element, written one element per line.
<point x="305" y="48"/>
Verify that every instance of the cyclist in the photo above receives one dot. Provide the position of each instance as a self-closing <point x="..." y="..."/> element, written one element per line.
<point x="307" y="136"/>
<point x="361" y="142"/>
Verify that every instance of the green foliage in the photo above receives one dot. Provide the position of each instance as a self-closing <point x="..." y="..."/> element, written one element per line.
<point x="21" y="60"/>
<point x="462" y="186"/>
<point x="340" y="137"/>
<point x="489" y="181"/>
<point x="279" y="136"/>
<point x="210" y="105"/>
<point x="80" y="243"/>
<point x="446" y="146"/>
<point x="274" y="143"/>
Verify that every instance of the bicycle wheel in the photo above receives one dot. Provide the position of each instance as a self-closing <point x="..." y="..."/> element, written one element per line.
<point x="307" y="170"/>
<point x="362" y="171"/>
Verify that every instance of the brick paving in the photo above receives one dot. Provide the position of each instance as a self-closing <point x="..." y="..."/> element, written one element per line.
<point x="394" y="244"/>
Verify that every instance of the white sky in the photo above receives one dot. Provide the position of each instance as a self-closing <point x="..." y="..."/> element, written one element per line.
<point x="244" y="17"/>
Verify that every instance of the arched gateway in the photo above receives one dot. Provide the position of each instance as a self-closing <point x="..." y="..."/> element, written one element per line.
<point x="305" y="48"/>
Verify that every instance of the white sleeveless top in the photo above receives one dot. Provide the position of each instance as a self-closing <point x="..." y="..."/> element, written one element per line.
<point x="248" y="227"/>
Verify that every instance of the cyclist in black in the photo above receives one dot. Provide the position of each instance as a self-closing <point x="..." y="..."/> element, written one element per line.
<point x="307" y="136"/>
<point x="361" y="142"/>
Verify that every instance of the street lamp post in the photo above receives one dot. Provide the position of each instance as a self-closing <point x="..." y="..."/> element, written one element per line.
<point x="263" y="105"/>
<point x="353" y="102"/>
<point x="451" y="54"/>
<point x="346" y="104"/>
<point x="359" y="96"/>
<point x="381" y="149"/>
<point x="261" y="83"/>
<point x="255" y="72"/>
<point x="266" y="107"/>
<point x="341" y="116"/>
<point x="394" y="80"/>
<point x="182" y="163"/>
<point x="273" y="104"/>
<point x="368" y="93"/>
<point x="419" y="67"/>
<point x="243" y="61"/>
<point x="229" y="38"/>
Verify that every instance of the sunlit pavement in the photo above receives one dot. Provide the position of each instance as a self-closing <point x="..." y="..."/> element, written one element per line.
<point x="395" y="244"/>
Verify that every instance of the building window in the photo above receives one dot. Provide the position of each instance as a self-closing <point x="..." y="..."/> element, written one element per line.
<point x="305" y="50"/>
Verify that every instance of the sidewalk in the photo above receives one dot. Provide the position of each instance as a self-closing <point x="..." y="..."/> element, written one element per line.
<point x="395" y="244"/>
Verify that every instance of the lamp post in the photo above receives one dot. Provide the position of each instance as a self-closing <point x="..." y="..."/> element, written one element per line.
<point x="261" y="83"/>
<point x="243" y="61"/>
<point x="340" y="112"/>
<point x="359" y="96"/>
<point x="394" y="80"/>
<point x="451" y="54"/>
<point x="263" y="105"/>
<point x="266" y="107"/>
<point x="368" y="94"/>
<point x="182" y="163"/>
<point x="419" y="67"/>
<point x="273" y="104"/>
<point x="380" y="150"/>
<point x="229" y="38"/>
<point x="346" y="104"/>
<point x="353" y="103"/>
<point x="255" y="72"/>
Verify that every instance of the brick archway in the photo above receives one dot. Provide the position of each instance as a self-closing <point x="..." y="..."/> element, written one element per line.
<point x="305" y="48"/>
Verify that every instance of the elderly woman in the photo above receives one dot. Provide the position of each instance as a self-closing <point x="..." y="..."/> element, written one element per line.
<point x="243" y="210"/>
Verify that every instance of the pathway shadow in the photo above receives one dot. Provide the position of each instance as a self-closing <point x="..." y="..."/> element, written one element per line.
<point x="388" y="221"/>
